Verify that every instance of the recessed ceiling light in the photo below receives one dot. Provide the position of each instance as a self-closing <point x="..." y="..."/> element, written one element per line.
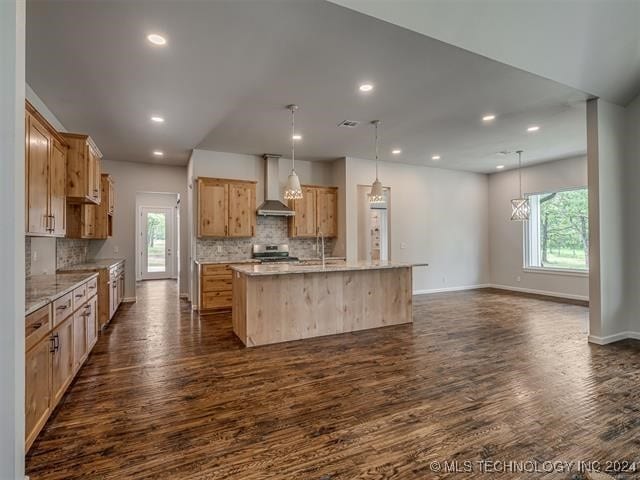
<point x="158" y="153"/>
<point x="488" y="118"/>
<point x="499" y="167"/>
<point x="366" y="87"/>
<point x="435" y="157"/>
<point x="157" y="119"/>
<point x="297" y="136"/>
<point x="396" y="151"/>
<point x="533" y="128"/>
<point x="157" y="39"/>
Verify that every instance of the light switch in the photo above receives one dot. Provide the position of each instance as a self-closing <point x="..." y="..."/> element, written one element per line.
<point x="219" y="249"/>
<point x="403" y="245"/>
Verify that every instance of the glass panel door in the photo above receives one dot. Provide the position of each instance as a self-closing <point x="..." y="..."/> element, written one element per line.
<point x="156" y="236"/>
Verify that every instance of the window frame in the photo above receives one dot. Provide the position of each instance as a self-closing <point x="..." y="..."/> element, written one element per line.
<point x="526" y="241"/>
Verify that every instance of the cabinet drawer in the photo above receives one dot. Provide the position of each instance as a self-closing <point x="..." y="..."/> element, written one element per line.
<point x="62" y="308"/>
<point x="79" y="296"/>
<point x="217" y="283"/>
<point x="37" y="326"/>
<point x="218" y="300"/>
<point x="216" y="270"/>
<point x="92" y="287"/>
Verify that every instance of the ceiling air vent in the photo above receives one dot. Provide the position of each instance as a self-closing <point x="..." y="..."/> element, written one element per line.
<point x="348" y="124"/>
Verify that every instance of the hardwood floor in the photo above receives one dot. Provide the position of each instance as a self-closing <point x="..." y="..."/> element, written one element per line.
<point x="168" y="394"/>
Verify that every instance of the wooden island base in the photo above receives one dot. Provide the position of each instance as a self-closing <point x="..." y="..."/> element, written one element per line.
<point x="273" y="308"/>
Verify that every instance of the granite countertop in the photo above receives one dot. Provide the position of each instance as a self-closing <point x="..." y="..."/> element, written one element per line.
<point x="224" y="262"/>
<point x="92" y="265"/>
<point x="290" y="268"/>
<point x="44" y="289"/>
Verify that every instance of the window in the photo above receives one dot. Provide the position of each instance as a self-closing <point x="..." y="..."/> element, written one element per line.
<point x="557" y="233"/>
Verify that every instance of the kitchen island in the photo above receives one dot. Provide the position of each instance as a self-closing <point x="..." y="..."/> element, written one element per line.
<point x="275" y="303"/>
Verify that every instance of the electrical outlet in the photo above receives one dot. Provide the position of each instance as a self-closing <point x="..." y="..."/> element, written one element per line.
<point x="403" y="245"/>
<point x="116" y="249"/>
<point x="444" y="280"/>
<point x="34" y="255"/>
<point x="518" y="278"/>
<point x="219" y="249"/>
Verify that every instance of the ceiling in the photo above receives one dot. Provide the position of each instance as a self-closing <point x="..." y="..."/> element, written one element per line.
<point x="230" y="68"/>
<point x="592" y="45"/>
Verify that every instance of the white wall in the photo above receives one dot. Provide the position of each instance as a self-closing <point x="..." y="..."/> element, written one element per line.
<point x="507" y="237"/>
<point x="441" y="217"/>
<point x="12" y="94"/>
<point x="632" y="200"/>
<point x="130" y="178"/>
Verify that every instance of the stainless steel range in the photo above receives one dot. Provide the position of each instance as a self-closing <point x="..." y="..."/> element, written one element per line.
<point x="273" y="253"/>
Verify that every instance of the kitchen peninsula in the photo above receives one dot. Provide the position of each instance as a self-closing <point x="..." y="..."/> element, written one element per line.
<point x="282" y="302"/>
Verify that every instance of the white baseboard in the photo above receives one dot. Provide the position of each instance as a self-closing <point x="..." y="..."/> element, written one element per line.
<point x="194" y="306"/>
<point x="540" y="292"/>
<point x="450" y="289"/>
<point x="613" y="338"/>
<point x="129" y="299"/>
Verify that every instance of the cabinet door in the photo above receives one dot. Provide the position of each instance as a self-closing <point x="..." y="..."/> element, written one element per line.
<point x="37" y="388"/>
<point x="242" y="209"/>
<point x="97" y="176"/>
<point x="304" y="221"/>
<point x="80" y="336"/>
<point x="111" y="193"/>
<point x="121" y="289"/>
<point x="92" y="323"/>
<point x="57" y="188"/>
<point x="327" y="211"/>
<point x="212" y="208"/>
<point x="62" y="360"/>
<point x="37" y="177"/>
<point x="88" y="221"/>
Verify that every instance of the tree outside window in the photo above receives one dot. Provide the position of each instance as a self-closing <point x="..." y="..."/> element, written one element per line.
<point x="557" y="233"/>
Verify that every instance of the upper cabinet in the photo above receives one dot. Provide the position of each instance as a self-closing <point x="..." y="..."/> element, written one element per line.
<point x="226" y="208"/>
<point x="83" y="169"/>
<point x="316" y="212"/>
<point x="45" y="176"/>
<point x="93" y="221"/>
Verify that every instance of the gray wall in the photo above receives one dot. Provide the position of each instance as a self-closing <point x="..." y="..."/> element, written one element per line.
<point x="12" y="84"/>
<point x="437" y="216"/>
<point x="507" y="237"/>
<point x="130" y="178"/>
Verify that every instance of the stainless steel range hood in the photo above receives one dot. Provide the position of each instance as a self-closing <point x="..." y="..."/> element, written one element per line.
<point x="272" y="205"/>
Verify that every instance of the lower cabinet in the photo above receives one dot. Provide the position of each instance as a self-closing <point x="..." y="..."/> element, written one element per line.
<point x="54" y="354"/>
<point x="215" y="287"/>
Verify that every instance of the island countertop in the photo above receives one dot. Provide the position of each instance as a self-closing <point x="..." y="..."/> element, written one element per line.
<point x="44" y="289"/>
<point x="293" y="268"/>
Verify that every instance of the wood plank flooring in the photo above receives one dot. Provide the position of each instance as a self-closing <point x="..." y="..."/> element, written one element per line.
<point x="168" y="394"/>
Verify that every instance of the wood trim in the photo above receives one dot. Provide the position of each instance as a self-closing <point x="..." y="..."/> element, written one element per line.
<point x="227" y="180"/>
<point x="35" y="113"/>
<point x="319" y="186"/>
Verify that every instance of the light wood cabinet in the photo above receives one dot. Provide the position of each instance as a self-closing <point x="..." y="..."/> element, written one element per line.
<point x="215" y="287"/>
<point x="58" y="339"/>
<point x="83" y="169"/>
<point x="45" y="176"/>
<point x="62" y="359"/>
<point x="226" y="208"/>
<point x="37" y="384"/>
<point x="93" y="221"/>
<point x="316" y="212"/>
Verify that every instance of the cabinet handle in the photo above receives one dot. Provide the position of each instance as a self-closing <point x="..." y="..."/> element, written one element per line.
<point x="79" y="295"/>
<point x="53" y="226"/>
<point x="36" y="326"/>
<point x="56" y="342"/>
<point x="226" y="229"/>
<point x="52" y="349"/>
<point x="92" y="287"/>
<point x="253" y="230"/>
<point x="62" y="307"/>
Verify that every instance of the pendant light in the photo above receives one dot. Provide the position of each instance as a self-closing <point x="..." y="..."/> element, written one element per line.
<point x="376" y="196"/>
<point x="520" y="206"/>
<point x="293" y="191"/>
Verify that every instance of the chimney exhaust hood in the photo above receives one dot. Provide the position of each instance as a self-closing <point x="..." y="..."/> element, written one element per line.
<point x="272" y="205"/>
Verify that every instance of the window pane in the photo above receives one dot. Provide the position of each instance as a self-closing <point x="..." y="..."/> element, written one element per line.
<point x="558" y="230"/>
<point x="156" y="257"/>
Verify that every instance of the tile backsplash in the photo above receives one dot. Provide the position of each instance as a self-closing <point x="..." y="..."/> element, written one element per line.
<point x="269" y="230"/>
<point x="70" y="251"/>
<point x="67" y="252"/>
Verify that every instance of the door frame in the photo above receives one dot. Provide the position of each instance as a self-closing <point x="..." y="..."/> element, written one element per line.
<point x="170" y="238"/>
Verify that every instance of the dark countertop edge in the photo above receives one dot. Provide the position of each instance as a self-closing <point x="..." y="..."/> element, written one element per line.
<point x="225" y="262"/>
<point x="91" y="266"/>
<point x="46" y="300"/>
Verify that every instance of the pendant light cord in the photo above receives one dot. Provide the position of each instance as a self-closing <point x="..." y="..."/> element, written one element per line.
<point x="520" y="170"/>
<point x="377" y="149"/>
<point x="293" y="141"/>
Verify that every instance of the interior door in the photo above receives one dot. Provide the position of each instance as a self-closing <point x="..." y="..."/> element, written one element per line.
<point x="156" y="242"/>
